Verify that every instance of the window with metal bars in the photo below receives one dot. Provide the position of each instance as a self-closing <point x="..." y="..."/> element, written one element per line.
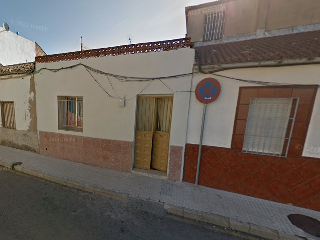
<point x="8" y="115"/>
<point x="213" y="26"/>
<point x="269" y="126"/>
<point x="70" y="113"/>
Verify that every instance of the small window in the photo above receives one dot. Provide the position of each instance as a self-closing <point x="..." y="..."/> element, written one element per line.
<point x="213" y="26"/>
<point x="269" y="126"/>
<point x="70" y="113"/>
<point x="8" y="115"/>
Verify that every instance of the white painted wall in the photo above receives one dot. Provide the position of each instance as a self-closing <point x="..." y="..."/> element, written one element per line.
<point x="15" y="49"/>
<point x="221" y="114"/>
<point x="17" y="90"/>
<point x="312" y="145"/>
<point x="103" y="118"/>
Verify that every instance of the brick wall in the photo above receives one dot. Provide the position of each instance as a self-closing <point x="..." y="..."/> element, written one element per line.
<point x="294" y="180"/>
<point x="116" y="155"/>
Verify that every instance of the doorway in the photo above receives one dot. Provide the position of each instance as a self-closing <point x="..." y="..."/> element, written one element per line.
<point x="152" y="136"/>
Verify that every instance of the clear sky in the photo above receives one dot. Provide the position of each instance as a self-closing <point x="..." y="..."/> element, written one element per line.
<point x="57" y="25"/>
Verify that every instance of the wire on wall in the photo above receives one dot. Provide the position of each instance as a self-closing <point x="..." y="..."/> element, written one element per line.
<point x="264" y="83"/>
<point x="122" y="78"/>
<point x="119" y="78"/>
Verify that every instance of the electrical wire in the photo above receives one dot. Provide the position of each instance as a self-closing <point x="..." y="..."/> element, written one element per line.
<point x="119" y="77"/>
<point x="122" y="78"/>
<point x="109" y="95"/>
<point x="113" y="87"/>
<point x="264" y="83"/>
<point x="118" y="97"/>
<point x="166" y="86"/>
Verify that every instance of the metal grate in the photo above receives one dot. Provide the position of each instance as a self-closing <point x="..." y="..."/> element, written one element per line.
<point x="269" y="126"/>
<point x="8" y="115"/>
<point x="70" y="113"/>
<point x="213" y="26"/>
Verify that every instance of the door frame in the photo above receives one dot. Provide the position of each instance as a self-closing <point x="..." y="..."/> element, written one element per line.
<point x="135" y="125"/>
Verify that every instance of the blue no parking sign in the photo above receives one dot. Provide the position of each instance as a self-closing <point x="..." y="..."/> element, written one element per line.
<point x="208" y="90"/>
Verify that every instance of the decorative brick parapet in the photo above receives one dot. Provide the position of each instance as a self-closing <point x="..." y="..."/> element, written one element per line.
<point x="119" y="50"/>
<point x="17" y="69"/>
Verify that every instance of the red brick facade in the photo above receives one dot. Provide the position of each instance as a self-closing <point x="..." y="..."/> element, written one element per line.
<point x="176" y="154"/>
<point x="116" y="155"/>
<point x="293" y="179"/>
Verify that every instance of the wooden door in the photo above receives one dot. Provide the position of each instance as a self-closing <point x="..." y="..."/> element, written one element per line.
<point x="144" y="132"/>
<point x="161" y="137"/>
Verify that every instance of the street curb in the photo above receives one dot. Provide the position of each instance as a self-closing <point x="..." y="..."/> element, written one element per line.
<point x="44" y="176"/>
<point x="227" y="222"/>
<point x="215" y="219"/>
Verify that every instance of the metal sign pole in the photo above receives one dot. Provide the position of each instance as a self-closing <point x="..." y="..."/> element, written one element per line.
<point x="200" y="144"/>
<point x="207" y="91"/>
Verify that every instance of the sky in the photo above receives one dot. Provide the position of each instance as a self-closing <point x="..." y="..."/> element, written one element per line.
<point x="58" y="25"/>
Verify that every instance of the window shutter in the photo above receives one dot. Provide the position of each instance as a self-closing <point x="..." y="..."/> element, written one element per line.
<point x="267" y="125"/>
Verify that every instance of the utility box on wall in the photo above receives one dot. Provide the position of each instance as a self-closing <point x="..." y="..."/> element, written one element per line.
<point x="122" y="103"/>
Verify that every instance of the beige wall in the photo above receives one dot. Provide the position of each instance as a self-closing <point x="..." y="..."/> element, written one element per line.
<point x="103" y="118"/>
<point x="290" y="13"/>
<point x="241" y="17"/>
<point x="247" y="16"/>
<point x="221" y="114"/>
<point x="21" y="91"/>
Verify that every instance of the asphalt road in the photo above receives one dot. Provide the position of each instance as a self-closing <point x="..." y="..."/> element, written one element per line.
<point x="31" y="208"/>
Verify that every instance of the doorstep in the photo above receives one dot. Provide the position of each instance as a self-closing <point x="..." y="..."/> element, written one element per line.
<point x="150" y="173"/>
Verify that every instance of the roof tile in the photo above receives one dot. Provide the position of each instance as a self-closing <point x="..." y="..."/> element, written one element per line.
<point x="275" y="48"/>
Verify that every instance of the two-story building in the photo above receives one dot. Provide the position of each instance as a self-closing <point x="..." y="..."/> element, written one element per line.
<point x="261" y="136"/>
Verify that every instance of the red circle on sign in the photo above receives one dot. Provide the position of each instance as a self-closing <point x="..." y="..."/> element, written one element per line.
<point x="208" y="90"/>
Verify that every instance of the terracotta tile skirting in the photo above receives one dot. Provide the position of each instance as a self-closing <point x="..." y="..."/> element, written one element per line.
<point x="294" y="180"/>
<point x="176" y="154"/>
<point x="112" y="154"/>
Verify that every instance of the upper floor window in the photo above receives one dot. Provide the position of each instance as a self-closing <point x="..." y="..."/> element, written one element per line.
<point x="70" y="113"/>
<point x="214" y="24"/>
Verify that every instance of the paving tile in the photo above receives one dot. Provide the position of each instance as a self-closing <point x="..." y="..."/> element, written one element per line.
<point x="242" y="208"/>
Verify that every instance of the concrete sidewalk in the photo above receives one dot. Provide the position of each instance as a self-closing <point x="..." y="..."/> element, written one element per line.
<point x="238" y="212"/>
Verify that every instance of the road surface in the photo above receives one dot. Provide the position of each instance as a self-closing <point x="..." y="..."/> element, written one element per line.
<point x="34" y="209"/>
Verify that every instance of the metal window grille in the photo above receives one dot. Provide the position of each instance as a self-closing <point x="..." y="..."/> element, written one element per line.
<point x="269" y="126"/>
<point x="213" y="26"/>
<point x="70" y="113"/>
<point x="8" y="115"/>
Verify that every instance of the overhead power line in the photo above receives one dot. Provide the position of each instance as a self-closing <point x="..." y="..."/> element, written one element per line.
<point x="122" y="78"/>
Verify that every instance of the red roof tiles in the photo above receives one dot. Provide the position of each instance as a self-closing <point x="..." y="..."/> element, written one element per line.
<point x="304" y="45"/>
<point x="17" y="69"/>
